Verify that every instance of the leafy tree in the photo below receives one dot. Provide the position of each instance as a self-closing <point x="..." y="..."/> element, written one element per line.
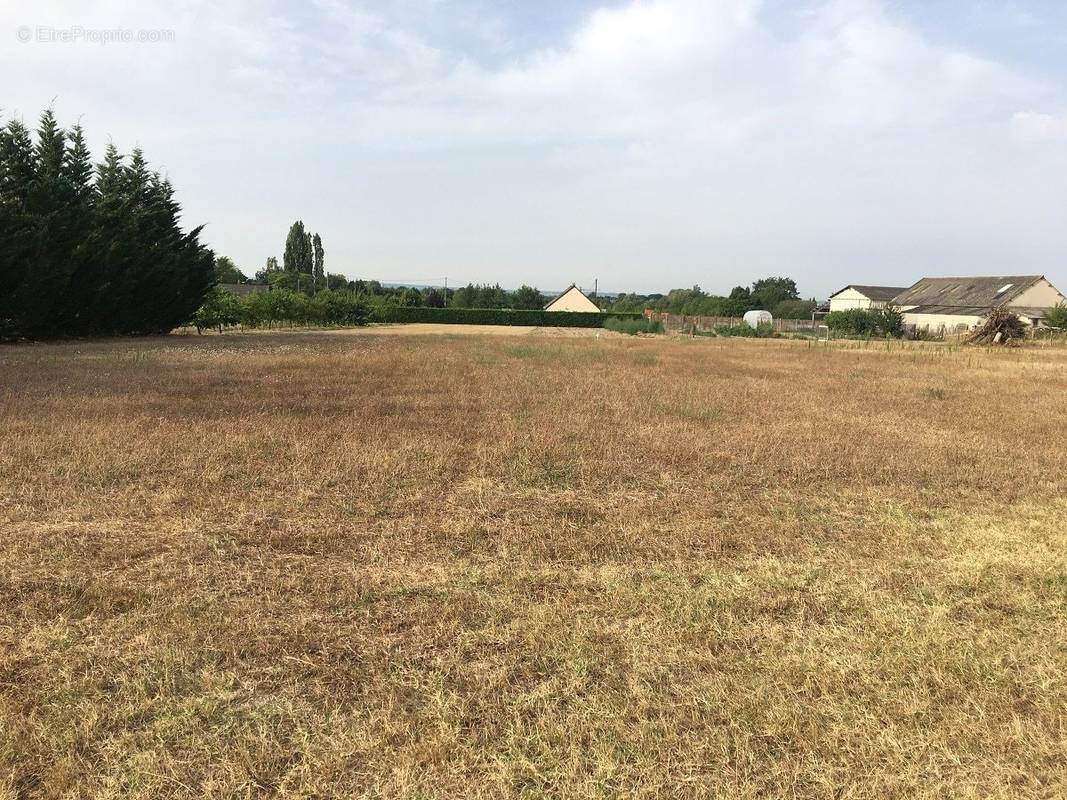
<point x="794" y="309"/>
<point x="411" y="297"/>
<point x="335" y="281"/>
<point x="282" y="305"/>
<point x="338" y="308"/>
<point x="292" y="281"/>
<point x="472" y="296"/>
<point x="769" y="292"/>
<point x="741" y="293"/>
<point x="226" y="271"/>
<point x="493" y="297"/>
<point x="221" y="308"/>
<point x="433" y="298"/>
<point x="301" y="311"/>
<point x="263" y="275"/>
<point x="465" y="297"/>
<point x="887" y="321"/>
<point x="891" y="321"/>
<point x="734" y="307"/>
<point x="678" y="299"/>
<point x="319" y="257"/>
<point x="527" y="297"/>
<point x="1056" y="317"/>
<point x="629" y="303"/>
<point x="255" y="310"/>
<point x="854" y="321"/>
<point x="298" y="255"/>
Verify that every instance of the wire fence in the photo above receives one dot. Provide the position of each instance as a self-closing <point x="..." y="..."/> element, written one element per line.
<point x="683" y="324"/>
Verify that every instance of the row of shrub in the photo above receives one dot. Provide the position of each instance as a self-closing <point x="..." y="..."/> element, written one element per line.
<point x="279" y="307"/>
<point x="764" y="331"/>
<point x="886" y="321"/>
<point x="627" y="324"/>
<point x="497" y="316"/>
<point x="744" y="330"/>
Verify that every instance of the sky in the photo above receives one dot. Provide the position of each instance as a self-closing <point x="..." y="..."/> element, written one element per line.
<point x="645" y="144"/>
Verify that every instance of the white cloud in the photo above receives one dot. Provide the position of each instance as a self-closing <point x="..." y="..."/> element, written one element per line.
<point x="1031" y="127"/>
<point x="678" y="141"/>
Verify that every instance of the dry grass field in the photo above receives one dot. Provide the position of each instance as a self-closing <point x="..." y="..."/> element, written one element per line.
<point x="321" y="565"/>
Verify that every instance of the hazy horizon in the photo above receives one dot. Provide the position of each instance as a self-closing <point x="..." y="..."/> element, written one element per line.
<point x="649" y="144"/>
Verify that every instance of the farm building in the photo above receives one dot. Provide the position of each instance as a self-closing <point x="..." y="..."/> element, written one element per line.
<point x="955" y="304"/>
<point x="573" y="299"/>
<point x="865" y="297"/>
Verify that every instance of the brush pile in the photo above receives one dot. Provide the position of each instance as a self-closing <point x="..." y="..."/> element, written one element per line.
<point x="1002" y="326"/>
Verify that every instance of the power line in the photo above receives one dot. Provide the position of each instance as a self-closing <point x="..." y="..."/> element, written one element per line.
<point x="411" y="281"/>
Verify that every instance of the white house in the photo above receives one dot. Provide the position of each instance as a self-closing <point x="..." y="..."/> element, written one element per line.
<point x="573" y="299"/>
<point x="957" y="304"/>
<point x="865" y="297"/>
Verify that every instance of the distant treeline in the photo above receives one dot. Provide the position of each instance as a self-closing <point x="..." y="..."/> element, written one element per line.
<point x="280" y="307"/>
<point x="777" y="295"/>
<point x="90" y="249"/>
<point x="375" y="293"/>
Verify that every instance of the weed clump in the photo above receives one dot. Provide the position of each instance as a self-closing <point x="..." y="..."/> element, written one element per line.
<point x="633" y="326"/>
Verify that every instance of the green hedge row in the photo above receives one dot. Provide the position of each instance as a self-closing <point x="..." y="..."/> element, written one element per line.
<point x="494" y="316"/>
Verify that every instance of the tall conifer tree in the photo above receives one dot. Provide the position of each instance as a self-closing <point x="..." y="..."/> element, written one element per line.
<point x="18" y="170"/>
<point x="297" y="254"/>
<point x="84" y="256"/>
<point x="320" y="262"/>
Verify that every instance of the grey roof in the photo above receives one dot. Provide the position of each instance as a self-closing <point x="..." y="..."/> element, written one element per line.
<point x="886" y="293"/>
<point x="983" y="292"/>
<point x="977" y="311"/>
<point x="962" y="311"/>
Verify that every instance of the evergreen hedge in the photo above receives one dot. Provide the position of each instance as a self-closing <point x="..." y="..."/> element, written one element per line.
<point x="91" y="251"/>
<point x="495" y="316"/>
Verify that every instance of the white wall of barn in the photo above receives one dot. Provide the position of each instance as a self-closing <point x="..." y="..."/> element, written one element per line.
<point x="850" y="298"/>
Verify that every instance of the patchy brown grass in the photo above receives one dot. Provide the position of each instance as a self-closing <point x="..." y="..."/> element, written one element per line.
<point x="311" y="565"/>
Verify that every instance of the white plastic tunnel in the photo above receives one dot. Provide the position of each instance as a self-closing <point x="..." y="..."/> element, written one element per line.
<point x="756" y="318"/>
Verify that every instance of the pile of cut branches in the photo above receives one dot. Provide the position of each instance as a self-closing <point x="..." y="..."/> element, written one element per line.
<point x="1002" y="326"/>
